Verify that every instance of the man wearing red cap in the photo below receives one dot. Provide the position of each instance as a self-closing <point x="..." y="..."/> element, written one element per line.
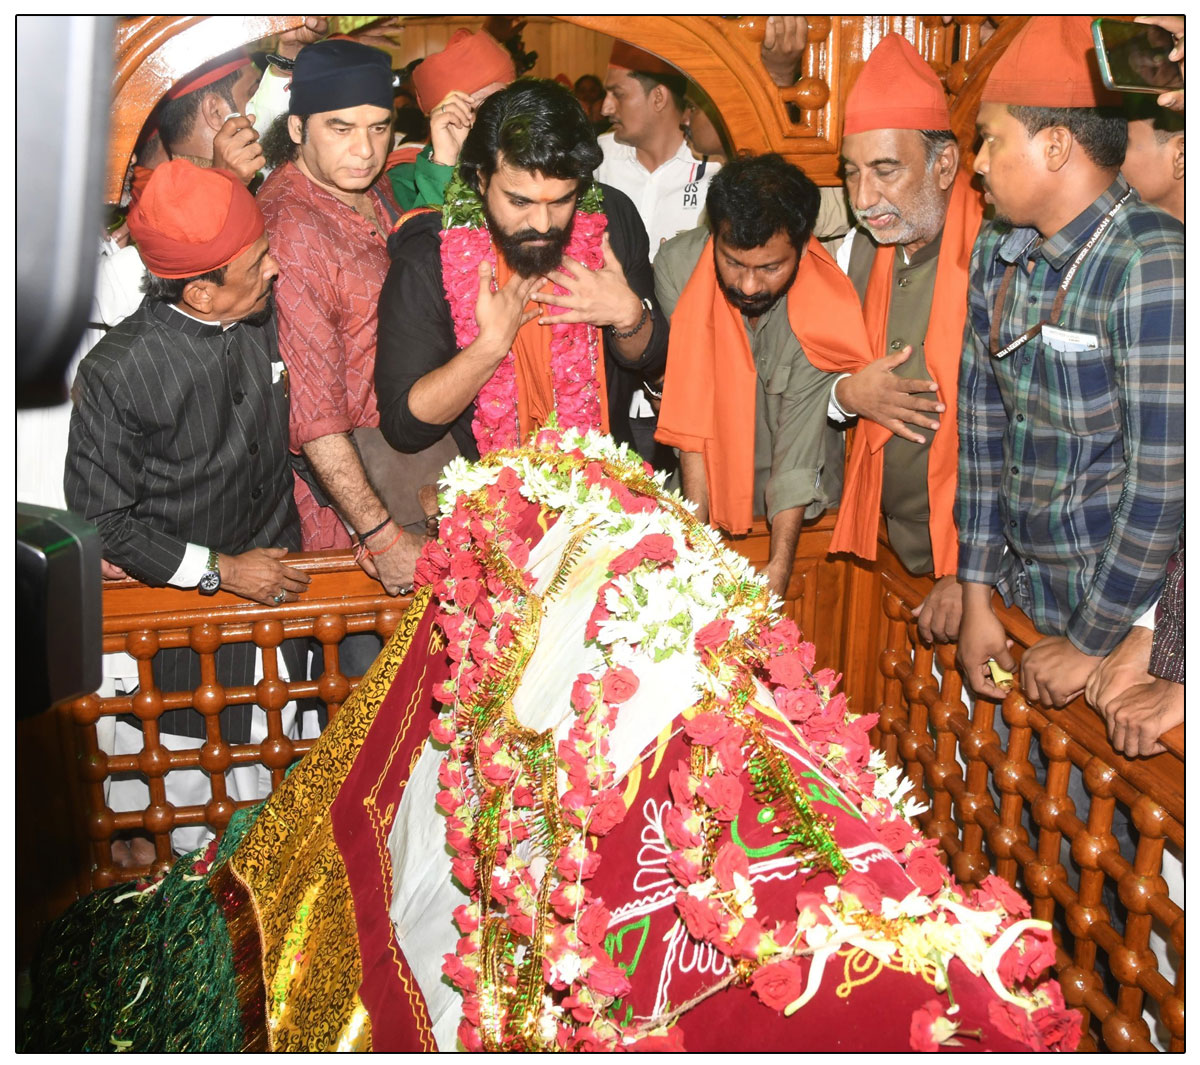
<point x="178" y="444"/>
<point x="329" y="211"/>
<point x="918" y="219"/>
<point x="450" y="85"/>
<point x="1071" y="409"/>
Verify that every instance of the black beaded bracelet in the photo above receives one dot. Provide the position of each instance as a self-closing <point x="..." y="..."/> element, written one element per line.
<point x="364" y="537"/>
<point x="646" y="308"/>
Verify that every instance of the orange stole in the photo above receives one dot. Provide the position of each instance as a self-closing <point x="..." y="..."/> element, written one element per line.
<point x="709" y="390"/>
<point x="858" y="516"/>
<point x="531" y="349"/>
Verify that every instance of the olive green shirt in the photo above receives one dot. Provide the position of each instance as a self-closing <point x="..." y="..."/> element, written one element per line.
<point x="905" y="464"/>
<point x="798" y="454"/>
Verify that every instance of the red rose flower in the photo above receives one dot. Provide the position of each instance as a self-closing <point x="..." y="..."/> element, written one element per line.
<point x="895" y="834"/>
<point x="1014" y="1022"/>
<point x="677" y="831"/>
<point x="468" y="1035"/>
<point x="746" y="942"/>
<point x="593" y="924"/>
<point x="797" y="704"/>
<point x="582" y="693"/>
<point x="607" y="979"/>
<point x="925" y="869"/>
<point x="704" y="918"/>
<point x="685" y="864"/>
<point x="1057" y="1027"/>
<point x="723" y="794"/>
<point x="1030" y="956"/>
<point x="683" y="785"/>
<point x="864" y="889"/>
<point x="788" y="669"/>
<point x="778" y="984"/>
<point x="707" y="729"/>
<point x="608" y="812"/>
<point x="618" y="684"/>
<point x="729" y="751"/>
<point x="921" y="1034"/>
<point x="713" y="634"/>
<point x="730" y="859"/>
<point x="997" y="891"/>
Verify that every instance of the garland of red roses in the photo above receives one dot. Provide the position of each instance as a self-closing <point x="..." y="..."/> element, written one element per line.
<point x="574" y="347"/>
<point x="499" y="789"/>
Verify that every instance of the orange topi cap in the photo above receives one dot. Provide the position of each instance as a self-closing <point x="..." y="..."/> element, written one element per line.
<point x="213" y="70"/>
<point x="189" y="219"/>
<point x="468" y="63"/>
<point x="1050" y="63"/>
<point x="630" y="57"/>
<point x="896" y="89"/>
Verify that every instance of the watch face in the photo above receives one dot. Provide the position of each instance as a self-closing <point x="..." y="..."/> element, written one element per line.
<point x="210" y="582"/>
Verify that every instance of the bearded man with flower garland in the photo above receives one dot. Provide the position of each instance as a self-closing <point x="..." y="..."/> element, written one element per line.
<point x="492" y="314"/>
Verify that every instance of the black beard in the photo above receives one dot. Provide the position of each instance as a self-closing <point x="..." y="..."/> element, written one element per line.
<point x="263" y="316"/>
<point x="526" y="258"/>
<point x="757" y="305"/>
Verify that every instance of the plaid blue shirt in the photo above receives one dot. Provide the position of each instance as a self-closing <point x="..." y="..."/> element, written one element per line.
<point x="1070" y="484"/>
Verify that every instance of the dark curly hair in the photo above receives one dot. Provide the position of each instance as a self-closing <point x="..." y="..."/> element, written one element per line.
<point x="539" y="126"/>
<point x="753" y="197"/>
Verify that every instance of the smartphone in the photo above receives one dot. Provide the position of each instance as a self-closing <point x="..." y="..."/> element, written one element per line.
<point x="1133" y="56"/>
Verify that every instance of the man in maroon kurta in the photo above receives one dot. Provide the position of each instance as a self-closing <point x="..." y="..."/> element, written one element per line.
<point x="328" y="212"/>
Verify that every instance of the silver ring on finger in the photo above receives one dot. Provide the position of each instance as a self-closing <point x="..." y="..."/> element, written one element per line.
<point x="280" y="598"/>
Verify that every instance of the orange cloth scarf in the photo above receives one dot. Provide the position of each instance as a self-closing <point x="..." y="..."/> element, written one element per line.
<point x="858" y="517"/>
<point x="710" y="387"/>
<point x="531" y="350"/>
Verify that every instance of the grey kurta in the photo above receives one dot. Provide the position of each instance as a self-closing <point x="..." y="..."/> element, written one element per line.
<point x="905" y="464"/>
<point x="798" y="454"/>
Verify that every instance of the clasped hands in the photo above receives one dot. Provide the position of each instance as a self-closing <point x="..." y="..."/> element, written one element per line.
<point x="598" y="297"/>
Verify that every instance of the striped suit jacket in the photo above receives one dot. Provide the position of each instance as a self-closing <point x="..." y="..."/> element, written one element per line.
<point x="179" y="434"/>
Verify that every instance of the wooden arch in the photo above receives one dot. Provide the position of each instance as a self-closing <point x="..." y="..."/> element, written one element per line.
<point x="721" y="54"/>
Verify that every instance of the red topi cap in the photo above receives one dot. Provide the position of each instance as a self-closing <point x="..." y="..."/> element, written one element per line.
<point x="896" y="89"/>
<point x="1050" y="63"/>
<point x="189" y="220"/>
<point x="468" y="63"/>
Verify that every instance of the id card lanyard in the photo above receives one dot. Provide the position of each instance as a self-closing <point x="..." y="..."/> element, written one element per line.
<point x="1059" y="299"/>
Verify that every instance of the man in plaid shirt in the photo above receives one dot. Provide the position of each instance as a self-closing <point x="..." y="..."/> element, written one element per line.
<point x="1071" y="403"/>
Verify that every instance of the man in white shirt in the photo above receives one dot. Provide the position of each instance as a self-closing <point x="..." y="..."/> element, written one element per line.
<point x="645" y="154"/>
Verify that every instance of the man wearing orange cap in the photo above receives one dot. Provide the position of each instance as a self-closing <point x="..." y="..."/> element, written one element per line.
<point x="450" y="85"/>
<point x="1071" y="410"/>
<point x="918" y="218"/>
<point x="178" y="444"/>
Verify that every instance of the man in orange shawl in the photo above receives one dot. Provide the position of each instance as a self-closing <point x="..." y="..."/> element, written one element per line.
<point x="757" y="308"/>
<point x="919" y="217"/>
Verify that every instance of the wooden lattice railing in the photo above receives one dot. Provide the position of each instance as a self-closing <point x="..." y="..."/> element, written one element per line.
<point x="999" y="788"/>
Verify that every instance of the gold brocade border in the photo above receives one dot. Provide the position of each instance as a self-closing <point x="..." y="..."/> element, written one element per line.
<point x="290" y="866"/>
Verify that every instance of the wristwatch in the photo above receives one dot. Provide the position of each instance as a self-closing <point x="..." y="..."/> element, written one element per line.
<point x="210" y="581"/>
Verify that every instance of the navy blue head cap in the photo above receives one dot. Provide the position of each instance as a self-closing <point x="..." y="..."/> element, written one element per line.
<point x="332" y="75"/>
